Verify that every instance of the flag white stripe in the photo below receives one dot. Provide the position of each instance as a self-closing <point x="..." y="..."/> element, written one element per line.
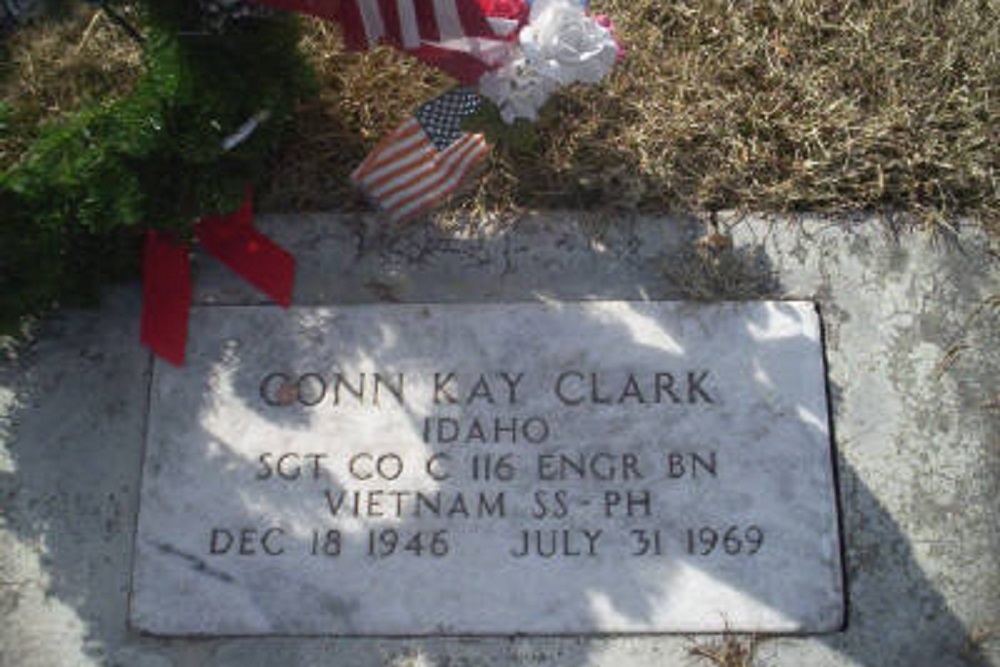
<point x="409" y="163"/>
<point x="452" y="155"/>
<point x="371" y="16"/>
<point x="456" y="154"/>
<point x="501" y="26"/>
<point x="448" y="20"/>
<point x="389" y="150"/>
<point x="444" y="188"/>
<point x="408" y="24"/>
<point x="415" y="134"/>
<point x="411" y="178"/>
<point x="418" y="171"/>
<point x="385" y="168"/>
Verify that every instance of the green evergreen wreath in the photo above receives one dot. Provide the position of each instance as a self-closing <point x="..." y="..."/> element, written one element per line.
<point x="221" y="82"/>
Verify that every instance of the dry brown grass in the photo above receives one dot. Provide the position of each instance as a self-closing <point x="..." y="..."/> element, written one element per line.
<point x="729" y="650"/>
<point x="821" y="105"/>
<point x="812" y="104"/>
<point x="55" y="68"/>
<point x="362" y="97"/>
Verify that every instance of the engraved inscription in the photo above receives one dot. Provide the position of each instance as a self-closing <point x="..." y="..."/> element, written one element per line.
<point x="566" y="485"/>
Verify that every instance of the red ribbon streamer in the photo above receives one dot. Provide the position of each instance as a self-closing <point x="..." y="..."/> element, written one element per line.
<point x="166" y="296"/>
<point x="166" y="288"/>
<point x="232" y="240"/>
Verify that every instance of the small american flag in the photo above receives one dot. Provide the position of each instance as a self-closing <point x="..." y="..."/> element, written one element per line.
<point x="425" y="160"/>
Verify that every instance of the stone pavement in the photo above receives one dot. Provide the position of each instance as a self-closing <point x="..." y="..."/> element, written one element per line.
<point x="912" y="329"/>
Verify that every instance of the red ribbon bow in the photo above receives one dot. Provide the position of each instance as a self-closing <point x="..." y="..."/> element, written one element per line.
<point x="166" y="286"/>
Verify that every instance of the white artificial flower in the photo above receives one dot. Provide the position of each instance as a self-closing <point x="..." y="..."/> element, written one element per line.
<point x="559" y="46"/>
<point x="562" y="43"/>
<point x="518" y="89"/>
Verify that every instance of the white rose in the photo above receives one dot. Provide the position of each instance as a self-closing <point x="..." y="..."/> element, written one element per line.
<point x="518" y="89"/>
<point x="563" y="43"/>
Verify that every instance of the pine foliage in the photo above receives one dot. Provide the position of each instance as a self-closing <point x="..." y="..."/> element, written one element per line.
<point x="73" y="209"/>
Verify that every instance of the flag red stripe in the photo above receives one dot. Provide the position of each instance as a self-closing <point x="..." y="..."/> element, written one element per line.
<point x="458" y="162"/>
<point x="398" y="147"/>
<point x="427" y="21"/>
<point x="386" y="148"/>
<point x="432" y="197"/>
<point x="405" y="177"/>
<point x="443" y="169"/>
<point x="390" y="19"/>
<point x="396" y="179"/>
<point x="474" y="22"/>
<point x="353" y="26"/>
<point x="392" y="181"/>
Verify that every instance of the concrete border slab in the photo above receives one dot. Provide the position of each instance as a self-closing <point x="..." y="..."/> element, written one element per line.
<point x="911" y="334"/>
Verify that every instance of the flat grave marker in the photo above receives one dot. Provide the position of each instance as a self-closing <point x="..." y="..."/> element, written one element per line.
<point x="539" y="468"/>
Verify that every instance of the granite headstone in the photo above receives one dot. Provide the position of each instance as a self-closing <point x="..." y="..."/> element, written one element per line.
<point x="590" y="467"/>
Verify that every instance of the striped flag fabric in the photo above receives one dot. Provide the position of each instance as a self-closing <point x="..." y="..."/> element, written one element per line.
<point x="456" y="36"/>
<point x="409" y="23"/>
<point x="424" y="161"/>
